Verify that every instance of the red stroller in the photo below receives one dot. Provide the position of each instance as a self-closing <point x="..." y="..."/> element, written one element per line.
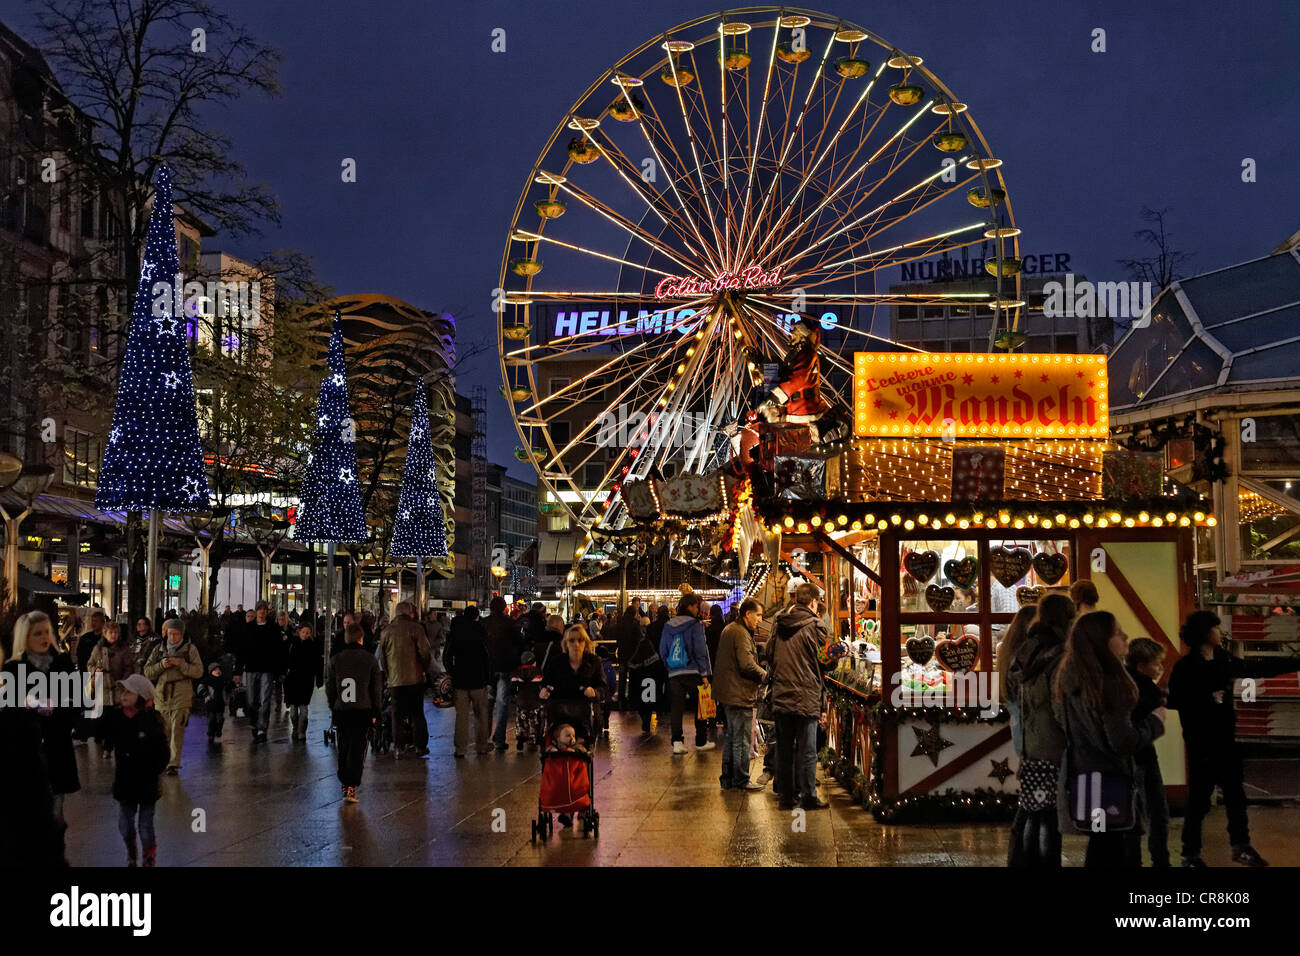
<point x="567" y="788"/>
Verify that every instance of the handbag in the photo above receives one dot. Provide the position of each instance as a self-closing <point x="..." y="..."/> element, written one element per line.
<point x="706" y="708"/>
<point x="1086" y="793"/>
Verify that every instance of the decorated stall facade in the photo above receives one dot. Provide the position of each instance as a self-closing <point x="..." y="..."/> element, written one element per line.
<point x="929" y="536"/>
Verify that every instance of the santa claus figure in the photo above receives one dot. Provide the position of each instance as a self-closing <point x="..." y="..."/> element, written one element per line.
<point x="797" y="400"/>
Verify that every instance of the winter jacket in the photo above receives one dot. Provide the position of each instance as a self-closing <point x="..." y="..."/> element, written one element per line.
<point x="174" y="686"/>
<point x="56" y="727"/>
<point x="504" y="643"/>
<point x="85" y="647"/>
<point x="737" y="677"/>
<point x="567" y="684"/>
<point x="1193" y="682"/>
<point x="303" y="675"/>
<point x="261" y="648"/>
<point x="1097" y="741"/>
<point x="31" y="839"/>
<point x="533" y="626"/>
<point x="117" y="661"/>
<point x="1150" y="696"/>
<point x="355" y="683"/>
<point x="1029" y="682"/>
<point x="796" y="673"/>
<point x="691" y="631"/>
<point x="141" y="753"/>
<point x="466" y="656"/>
<point x="628" y="634"/>
<point x="404" y="650"/>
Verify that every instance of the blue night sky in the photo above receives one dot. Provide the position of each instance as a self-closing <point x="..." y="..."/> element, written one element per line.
<point x="444" y="130"/>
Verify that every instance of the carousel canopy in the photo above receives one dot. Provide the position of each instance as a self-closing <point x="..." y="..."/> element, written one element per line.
<point x="649" y="576"/>
<point x="1231" y="330"/>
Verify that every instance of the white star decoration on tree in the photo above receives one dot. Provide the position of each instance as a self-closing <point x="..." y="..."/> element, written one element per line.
<point x="322" y="420"/>
<point x="416" y="433"/>
<point x="345" y="475"/>
<point x="406" y="514"/>
<point x="168" y="321"/>
<point x="337" y="379"/>
<point x="146" y="271"/>
<point x="172" y="380"/>
<point x="114" y="434"/>
<point x="191" y="487"/>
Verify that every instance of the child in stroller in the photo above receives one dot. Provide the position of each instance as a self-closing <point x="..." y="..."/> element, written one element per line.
<point x="529" y="713"/>
<point x="567" y="787"/>
<point x="381" y="731"/>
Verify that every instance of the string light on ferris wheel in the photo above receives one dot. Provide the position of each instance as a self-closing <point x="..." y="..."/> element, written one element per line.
<point x="154" y="459"/>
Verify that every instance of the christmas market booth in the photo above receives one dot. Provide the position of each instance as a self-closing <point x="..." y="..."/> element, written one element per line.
<point x="972" y="485"/>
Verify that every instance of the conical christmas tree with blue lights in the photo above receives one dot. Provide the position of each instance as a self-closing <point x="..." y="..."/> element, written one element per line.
<point x="420" y="530"/>
<point x="329" y="508"/>
<point x="153" y="458"/>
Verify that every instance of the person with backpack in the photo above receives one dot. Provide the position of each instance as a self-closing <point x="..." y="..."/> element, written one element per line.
<point x="173" y="667"/>
<point x="1094" y="699"/>
<point x="685" y="652"/>
<point x="1031" y="671"/>
<point x="1200" y="689"/>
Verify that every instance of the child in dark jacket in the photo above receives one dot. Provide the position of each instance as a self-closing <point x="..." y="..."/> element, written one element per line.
<point x="141" y="752"/>
<point x="212" y="689"/>
<point x="647" y="681"/>
<point x="1146" y="664"/>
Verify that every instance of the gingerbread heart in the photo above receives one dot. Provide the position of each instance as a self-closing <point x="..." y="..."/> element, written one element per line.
<point x="1050" y="568"/>
<point x="920" y="649"/>
<point x="921" y="564"/>
<point x="1009" y="565"/>
<point x="962" y="573"/>
<point x="960" y="654"/>
<point x="939" y="599"/>
<point x="1028" y="596"/>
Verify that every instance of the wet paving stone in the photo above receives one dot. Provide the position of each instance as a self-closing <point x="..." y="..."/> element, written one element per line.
<point x="279" y="804"/>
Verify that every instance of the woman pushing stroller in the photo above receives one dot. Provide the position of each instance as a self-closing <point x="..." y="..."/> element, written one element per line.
<point x="572" y="683"/>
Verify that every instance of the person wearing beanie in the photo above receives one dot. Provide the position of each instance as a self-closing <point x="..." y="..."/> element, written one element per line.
<point x="140" y="749"/>
<point x="173" y="666"/>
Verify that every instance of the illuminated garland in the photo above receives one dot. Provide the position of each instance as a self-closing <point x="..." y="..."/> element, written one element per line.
<point x="330" y="508"/>
<point x="420" y="528"/>
<point x="791" y="516"/>
<point x="153" y="458"/>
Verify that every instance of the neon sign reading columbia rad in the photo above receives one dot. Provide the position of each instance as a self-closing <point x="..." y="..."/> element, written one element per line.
<point x="752" y="277"/>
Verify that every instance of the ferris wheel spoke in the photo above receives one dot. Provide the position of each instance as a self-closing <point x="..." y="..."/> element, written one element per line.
<point x="674" y="173"/>
<point x="936" y="244"/>
<point x="695" y="155"/>
<point x="655" y="202"/>
<point x="758" y="129"/>
<point x="853" y="224"/>
<point x="845" y="180"/>
<point x="631" y="228"/>
<point x="785" y="152"/>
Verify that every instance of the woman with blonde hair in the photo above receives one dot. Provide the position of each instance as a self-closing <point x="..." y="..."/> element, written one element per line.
<point x="34" y="651"/>
<point x="572" y="682"/>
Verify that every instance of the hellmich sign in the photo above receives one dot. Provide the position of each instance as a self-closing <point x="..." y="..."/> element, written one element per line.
<point x="973" y="395"/>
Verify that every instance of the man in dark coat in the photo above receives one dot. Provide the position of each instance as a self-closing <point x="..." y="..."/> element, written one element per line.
<point x="1200" y="689"/>
<point x="470" y="668"/>
<point x="628" y="634"/>
<point x="261" y="654"/>
<point x="354" y="690"/>
<point x="302" y="677"/>
<point x="406" y="661"/>
<point x="797" y="684"/>
<point x="505" y="646"/>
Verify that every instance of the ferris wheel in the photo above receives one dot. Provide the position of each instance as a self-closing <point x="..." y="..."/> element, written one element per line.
<point x="739" y="189"/>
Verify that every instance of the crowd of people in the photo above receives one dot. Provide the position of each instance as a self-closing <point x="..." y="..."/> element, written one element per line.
<point x="1086" y="709"/>
<point x="1086" y="704"/>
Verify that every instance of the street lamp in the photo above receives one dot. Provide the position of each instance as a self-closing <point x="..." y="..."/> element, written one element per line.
<point x="267" y="534"/>
<point x="28" y="481"/>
